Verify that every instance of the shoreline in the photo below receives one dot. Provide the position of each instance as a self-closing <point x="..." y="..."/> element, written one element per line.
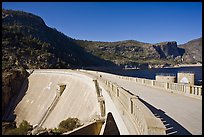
<point x="185" y="65"/>
<point x="176" y="66"/>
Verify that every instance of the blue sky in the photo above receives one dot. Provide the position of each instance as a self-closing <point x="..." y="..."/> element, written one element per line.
<point x="149" y="22"/>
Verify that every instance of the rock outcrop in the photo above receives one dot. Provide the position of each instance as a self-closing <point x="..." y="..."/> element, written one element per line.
<point x="11" y="85"/>
<point x="193" y="51"/>
<point x="167" y="49"/>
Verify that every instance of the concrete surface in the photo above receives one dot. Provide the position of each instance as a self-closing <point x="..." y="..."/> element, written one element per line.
<point x="79" y="99"/>
<point x="185" y="110"/>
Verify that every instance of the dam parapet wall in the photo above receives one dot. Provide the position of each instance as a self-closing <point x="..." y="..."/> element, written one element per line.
<point x="179" y="88"/>
<point x="132" y="110"/>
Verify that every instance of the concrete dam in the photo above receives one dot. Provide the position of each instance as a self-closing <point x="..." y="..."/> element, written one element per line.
<point x="53" y="95"/>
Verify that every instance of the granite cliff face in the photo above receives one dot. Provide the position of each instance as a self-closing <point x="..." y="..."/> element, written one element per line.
<point x="167" y="49"/>
<point x="11" y="85"/>
<point x="193" y="51"/>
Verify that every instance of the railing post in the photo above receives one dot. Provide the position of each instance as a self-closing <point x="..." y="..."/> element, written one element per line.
<point x="200" y="91"/>
<point x="117" y="91"/>
<point x="102" y="106"/>
<point x="196" y="90"/>
<point x="143" y="81"/>
<point x="183" y="89"/>
<point x="167" y="85"/>
<point x="132" y="104"/>
<point x="188" y="89"/>
<point x="152" y="82"/>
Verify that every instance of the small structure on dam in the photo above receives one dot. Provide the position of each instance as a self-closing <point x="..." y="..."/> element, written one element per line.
<point x="186" y="78"/>
<point x="182" y="77"/>
<point x="164" y="77"/>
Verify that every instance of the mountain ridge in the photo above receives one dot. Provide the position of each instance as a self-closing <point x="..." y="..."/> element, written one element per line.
<point x="132" y="53"/>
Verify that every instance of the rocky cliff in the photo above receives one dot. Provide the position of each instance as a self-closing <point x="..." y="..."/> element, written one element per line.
<point x="167" y="49"/>
<point x="193" y="51"/>
<point x="11" y="85"/>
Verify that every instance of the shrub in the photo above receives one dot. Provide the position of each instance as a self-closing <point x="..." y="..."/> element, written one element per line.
<point x="56" y="131"/>
<point x="23" y="128"/>
<point x="69" y="124"/>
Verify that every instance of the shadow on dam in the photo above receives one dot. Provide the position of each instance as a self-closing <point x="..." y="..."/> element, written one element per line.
<point x="172" y="127"/>
<point x="9" y="114"/>
<point x="111" y="126"/>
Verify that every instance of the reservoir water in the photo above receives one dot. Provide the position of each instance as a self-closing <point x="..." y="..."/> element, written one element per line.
<point x="151" y="73"/>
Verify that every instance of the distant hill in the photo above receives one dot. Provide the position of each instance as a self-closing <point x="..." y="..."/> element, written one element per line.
<point x="135" y="53"/>
<point x="28" y="42"/>
<point x="193" y="51"/>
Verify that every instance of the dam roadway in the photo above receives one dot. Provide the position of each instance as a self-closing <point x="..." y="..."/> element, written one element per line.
<point x="180" y="113"/>
<point x="154" y="111"/>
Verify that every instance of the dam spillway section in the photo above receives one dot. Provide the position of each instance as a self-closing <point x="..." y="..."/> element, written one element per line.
<point x="43" y="95"/>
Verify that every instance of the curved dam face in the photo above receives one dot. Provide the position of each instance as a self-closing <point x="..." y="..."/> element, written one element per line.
<point x="43" y="104"/>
